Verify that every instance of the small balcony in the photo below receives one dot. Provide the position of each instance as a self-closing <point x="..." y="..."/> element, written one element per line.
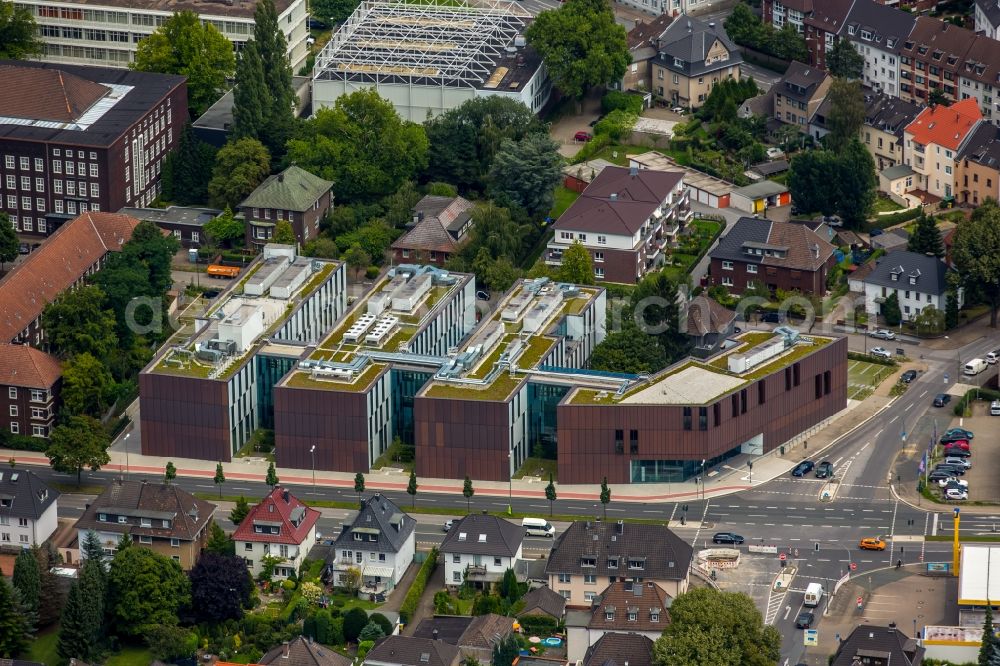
<point x="553" y="255"/>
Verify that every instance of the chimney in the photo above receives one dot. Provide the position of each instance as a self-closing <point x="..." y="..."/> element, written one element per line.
<point x="284" y="650"/>
<point x="285" y="496"/>
<point x="633" y="171"/>
<point x="621" y="527"/>
<point x="281" y="177"/>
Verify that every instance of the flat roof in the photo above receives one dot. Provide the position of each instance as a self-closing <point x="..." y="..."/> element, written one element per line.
<point x="228" y="8"/>
<point x="764" y="188"/>
<point x="692" y="177"/>
<point x="979" y="575"/>
<point x="692" y="385"/>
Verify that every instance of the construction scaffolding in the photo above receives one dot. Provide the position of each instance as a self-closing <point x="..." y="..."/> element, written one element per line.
<point x="432" y="44"/>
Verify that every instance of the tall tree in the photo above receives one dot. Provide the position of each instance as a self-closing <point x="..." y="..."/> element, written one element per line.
<point x="145" y="588"/>
<point x="250" y="96"/>
<point x="787" y="43"/>
<point x="78" y="637"/>
<point x="91" y="549"/>
<point x="27" y="580"/>
<point x="332" y="12"/>
<point x="494" y="230"/>
<point x="525" y="173"/>
<point x="169" y="472"/>
<point x="225" y="228"/>
<point x="283" y="233"/>
<point x="15" y="624"/>
<point x="79" y="322"/>
<point x="467" y="492"/>
<point x="577" y="266"/>
<point x="951" y="310"/>
<point x="719" y="628"/>
<point x="9" y="245"/>
<point x="976" y="252"/>
<point x="357" y="259"/>
<point x="280" y="102"/>
<point x="272" y="476"/>
<point x="240" y="511"/>
<point x="362" y="145"/>
<point x="847" y="112"/>
<point x="550" y="494"/>
<point x="857" y="184"/>
<point x="938" y="97"/>
<point x="18" y="33"/>
<point x="581" y="44"/>
<point x="657" y="311"/>
<point x="153" y="251"/>
<point x="359" y="486"/>
<point x="506" y="651"/>
<point x="185" y="45"/>
<point x="988" y="647"/>
<point x="221" y="588"/>
<point x="810" y="177"/>
<point x="890" y="310"/>
<point x="926" y="237"/>
<point x="187" y="170"/>
<point x="411" y="488"/>
<point x="219" y="542"/>
<point x="81" y="442"/>
<point x="87" y="387"/>
<point x="240" y="166"/>
<point x="844" y="61"/>
<point x="629" y="350"/>
<point x="605" y="496"/>
<point x="219" y="478"/>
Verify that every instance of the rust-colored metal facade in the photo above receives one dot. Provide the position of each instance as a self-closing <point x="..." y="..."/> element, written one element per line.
<point x="184" y="417"/>
<point x="774" y="408"/>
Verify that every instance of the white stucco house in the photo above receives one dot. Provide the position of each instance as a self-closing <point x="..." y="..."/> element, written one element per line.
<point x="27" y="509"/>
<point x="380" y="543"/>
<point x="917" y="279"/>
<point x="480" y="548"/>
<point x="280" y="525"/>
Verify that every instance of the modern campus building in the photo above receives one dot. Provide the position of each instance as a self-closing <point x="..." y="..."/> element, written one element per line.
<point x="107" y="32"/>
<point x="409" y="360"/>
<point x="429" y="58"/>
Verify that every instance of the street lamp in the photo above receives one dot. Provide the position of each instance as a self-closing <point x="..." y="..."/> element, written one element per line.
<point x="750" y="465"/>
<point x="125" y="442"/>
<point x="312" y="454"/>
<point x="703" y="478"/>
<point x="510" y="482"/>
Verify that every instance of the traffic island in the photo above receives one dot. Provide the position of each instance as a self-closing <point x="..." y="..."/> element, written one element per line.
<point x="829" y="490"/>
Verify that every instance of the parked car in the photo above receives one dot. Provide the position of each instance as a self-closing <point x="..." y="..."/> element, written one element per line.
<point x="951" y="470"/>
<point x="908" y="376"/>
<point x="824" y="470"/>
<point x="880" y="352"/>
<point x="939" y="475"/>
<point x="774" y="153"/>
<point x="941" y="399"/>
<point x="958" y="461"/>
<point x="883" y="334"/>
<point x="583" y="136"/>
<point x="803" y="468"/>
<point x="872" y="543"/>
<point x="956" y="494"/>
<point x="804" y="620"/>
<point x="727" y="537"/>
<point x="833" y="221"/>
<point x="950" y="481"/>
<point x="960" y="444"/>
<point x="679" y="110"/>
<point x="956" y="433"/>
<point x="995" y="408"/>
<point x="23" y="248"/>
<point x="956" y="452"/>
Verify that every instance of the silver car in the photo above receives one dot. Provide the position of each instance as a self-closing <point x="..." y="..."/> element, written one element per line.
<point x="883" y="334"/>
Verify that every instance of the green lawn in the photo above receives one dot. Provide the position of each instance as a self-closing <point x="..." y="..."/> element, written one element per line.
<point x="43" y="648"/>
<point x="131" y="656"/>
<point x="564" y="198"/>
<point x="863" y="378"/>
<point x="885" y="205"/>
<point x="540" y="467"/>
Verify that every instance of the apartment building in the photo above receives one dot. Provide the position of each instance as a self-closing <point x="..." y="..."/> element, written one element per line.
<point x="886" y="117"/>
<point x="643" y="41"/>
<point x="823" y="26"/>
<point x="799" y="93"/>
<point x="693" y="56"/>
<point x="279" y="526"/>
<point x="107" y="33"/>
<point x="933" y="142"/>
<point x="878" y="32"/>
<point x="29" y="390"/>
<point x="77" y="139"/>
<point x="624" y="219"/>
<point x="793" y="12"/>
<point x="978" y="175"/>
<point x="986" y="15"/>
<point x="28" y="509"/>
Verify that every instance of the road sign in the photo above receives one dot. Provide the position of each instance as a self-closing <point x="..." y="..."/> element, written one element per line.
<point x="781" y="557"/>
<point x="810" y="637"/>
<point x="854" y="567"/>
<point x="860" y="601"/>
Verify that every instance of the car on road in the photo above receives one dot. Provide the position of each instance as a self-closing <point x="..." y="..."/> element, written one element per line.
<point x="804" y="620"/>
<point x="956" y="494"/>
<point x="952" y="434"/>
<point x="992" y="357"/>
<point x="908" y="376"/>
<point x="880" y="352"/>
<point x="952" y="481"/>
<point x="958" y="461"/>
<point x="941" y="399"/>
<point x="448" y="524"/>
<point x="583" y="136"/>
<point x="803" y="468"/>
<point x="995" y="408"/>
<point x="882" y="334"/>
<point x="955" y="452"/>
<point x="727" y="537"/>
<point x="824" y="470"/>
<point x="872" y="543"/>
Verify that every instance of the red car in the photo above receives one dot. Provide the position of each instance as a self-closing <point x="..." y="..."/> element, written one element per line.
<point x="582" y="136"/>
<point x="959" y="444"/>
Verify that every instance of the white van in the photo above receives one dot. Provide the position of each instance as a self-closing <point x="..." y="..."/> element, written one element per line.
<point x="814" y="594"/>
<point x="975" y="366"/>
<point x="538" y="527"/>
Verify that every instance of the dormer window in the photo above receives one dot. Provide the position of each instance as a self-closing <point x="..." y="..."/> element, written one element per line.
<point x="482" y="538"/>
<point x="678" y="62"/>
<point x="373" y="537"/>
<point x="612" y="562"/>
<point x="850" y="30"/>
<point x="588" y="561"/>
<point x="865" y="34"/>
<point x="103" y="517"/>
<point x="633" y="614"/>
<point x="166" y="524"/>
<point x="609" y="613"/>
<point x="654" y="615"/>
<point x="913" y="279"/>
<point x="122" y="520"/>
<point x="462" y="536"/>
<point x="891" y="42"/>
<point x="145" y="522"/>
<point x="894" y="277"/>
<point x="258" y="529"/>
<point x="637" y="563"/>
<point x="357" y="536"/>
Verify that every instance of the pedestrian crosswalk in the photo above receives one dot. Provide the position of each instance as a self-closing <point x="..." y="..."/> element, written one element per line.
<point x="775" y="602"/>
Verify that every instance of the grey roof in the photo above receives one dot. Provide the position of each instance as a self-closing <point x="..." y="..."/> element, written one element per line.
<point x="770" y="168"/>
<point x="502" y="537"/>
<point x="882" y="112"/>
<point x="983" y="146"/>
<point x="928" y="271"/>
<point x="800" y="81"/>
<point x="898" y="171"/>
<point x="690" y="40"/>
<point x="303" y="652"/>
<point x="867" y="639"/>
<point x="765" y="188"/>
<point x="888" y="25"/>
<point x="614" y="649"/>
<point x="188" y="515"/>
<point x="546" y="600"/>
<point x="798" y="240"/>
<point x="293" y="189"/>
<point x="412" y="651"/>
<point x="665" y="555"/>
<point x="889" y="242"/>
<point x="378" y="513"/>
<point x="480" y="631"/>
<point x="991" y="9"/>
<point x="29" y="496"/>
<point x="180" y="215"/>
<point x="761" y="105"/>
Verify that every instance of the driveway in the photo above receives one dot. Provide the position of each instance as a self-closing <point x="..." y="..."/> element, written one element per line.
<point x="563" y="129"/>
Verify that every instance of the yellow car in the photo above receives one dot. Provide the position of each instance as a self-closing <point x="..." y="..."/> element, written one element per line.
<point x="872" y="543"/>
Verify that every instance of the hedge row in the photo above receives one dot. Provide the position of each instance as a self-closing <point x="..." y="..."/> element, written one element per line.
<point x="896" y="218"/>
<point x="856" y="356"/>
<point x="416" y="590"/>
<point x="989" y="395"/>
<point x="22" y="442"/>
<point x="538" y="625"/>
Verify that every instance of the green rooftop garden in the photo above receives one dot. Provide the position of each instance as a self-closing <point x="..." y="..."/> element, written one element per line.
<point x="302" y="379"/>
<point x="503" y="385"/>
<point x="487" y="364"/>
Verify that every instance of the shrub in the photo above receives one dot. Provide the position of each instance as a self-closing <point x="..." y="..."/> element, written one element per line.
<point x="412" y="598"/>
<point x="354" y="621"/>
<point x="615" y="100"/>
<point x="986" y="394"/>
<point x="857" y="356"/>
<point x="538" y="625"/>
<point x="372" y="272"/>
<point x="382" y="621"/>
<point x="288" y="585"/>
<point x="884" y="221"/>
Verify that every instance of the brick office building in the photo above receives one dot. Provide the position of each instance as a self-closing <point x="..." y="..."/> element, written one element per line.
<point x="75" y="139"/>
<point x="29" y="390"/>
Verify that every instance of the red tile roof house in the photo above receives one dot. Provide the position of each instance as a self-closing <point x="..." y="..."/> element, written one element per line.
<point x="280" y="525"/>
<point x="933" y="142"/>
<point x="29" y="390"/>
<point x="625" y="219"/>
<point x="440" y="228"/>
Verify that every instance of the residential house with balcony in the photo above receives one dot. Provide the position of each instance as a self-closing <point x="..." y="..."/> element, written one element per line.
<point x="932" y="58"/>
<point x="822" y="28"/>
<point x="918" y="280"/>
<point x="886" y="117"/>
<point x="279" y="526"/>
<point x="295" y="196"/>
<point x="439" y="228"/>
<point x="774" y="255"/>
<point x="624" y="607"/>
<point x="591" y="555"/>
<point x="380" y="542"/>
<point x="781" y="12"/>
<point x="625" y="219"/>
<point x="934" y="140"/>
<point x="979" y="77"/>
<point x="799" y="93"/>
<point x="692" y="57"/>
<point x="159" y="516"/>
<point x="986" y="15"/>
<point x="27" y="509"/>
<point x="978" y="174"/>
<point x="30" y="381"/>
<point x="878" y="32"/>
<point x="643" y="40"/>
<point x="480" y="548"/>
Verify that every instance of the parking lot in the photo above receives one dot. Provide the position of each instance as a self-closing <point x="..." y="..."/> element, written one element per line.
<point x="984" y="482"/>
